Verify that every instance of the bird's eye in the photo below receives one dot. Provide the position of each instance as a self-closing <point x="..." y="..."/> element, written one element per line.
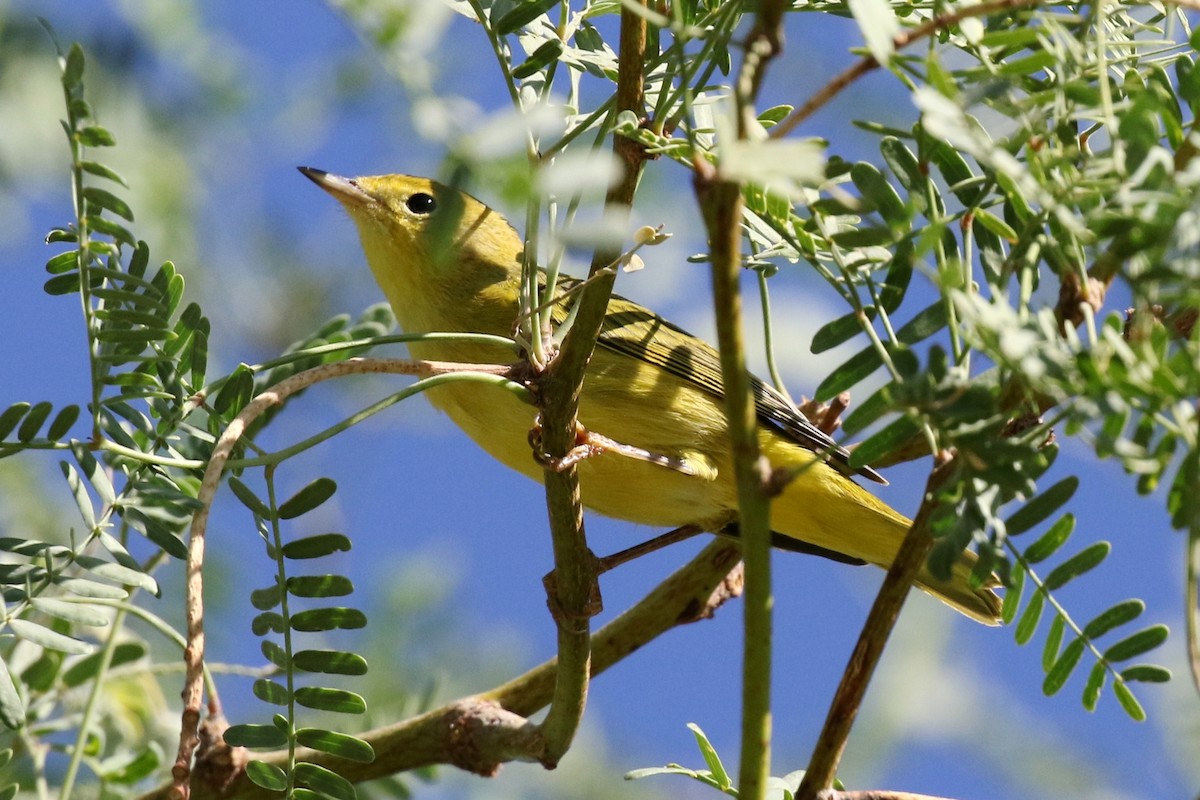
<point x="421" y="203"/>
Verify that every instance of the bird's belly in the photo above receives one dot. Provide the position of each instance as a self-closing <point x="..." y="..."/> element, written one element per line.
<point x="612" y="484"/>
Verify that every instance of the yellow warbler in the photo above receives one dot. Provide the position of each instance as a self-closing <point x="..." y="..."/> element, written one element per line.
<point x="446" y="262"/>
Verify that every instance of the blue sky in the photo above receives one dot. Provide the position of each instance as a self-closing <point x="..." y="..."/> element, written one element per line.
<point x="957" y="709"/>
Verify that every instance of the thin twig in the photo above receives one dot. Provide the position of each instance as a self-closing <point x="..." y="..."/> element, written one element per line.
<point x="827" y="754"/>
<point x="577" y="596"/>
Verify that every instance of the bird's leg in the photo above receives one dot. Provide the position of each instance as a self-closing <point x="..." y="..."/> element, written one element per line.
<point x="589" y="444"/>
<point x="645" y="548"/>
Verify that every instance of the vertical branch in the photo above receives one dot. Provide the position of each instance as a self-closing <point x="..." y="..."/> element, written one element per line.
<point x="827" y="754"/>
<point x="721" y="204"/>
<point x="576" y="596"/>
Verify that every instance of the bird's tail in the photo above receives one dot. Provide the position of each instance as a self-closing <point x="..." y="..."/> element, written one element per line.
<point x="821" y="507"/>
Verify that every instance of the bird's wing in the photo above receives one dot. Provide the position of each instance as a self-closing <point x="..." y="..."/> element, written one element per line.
<point x="638" y="332"/>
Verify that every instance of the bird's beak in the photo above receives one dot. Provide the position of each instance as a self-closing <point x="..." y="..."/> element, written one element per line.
<point x="344" y="189"/>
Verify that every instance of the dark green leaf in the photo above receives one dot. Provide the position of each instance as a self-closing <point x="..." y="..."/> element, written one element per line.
<point x="1053" y="642"/>
<point x="87" y="667"/>
<point x="322" y="544"/>
<point x="1086" y="559"/>
<point x="236" y="392"/>
<point x="100" y="170"/>
<point x="885" y="441"/>
<point x="1121" y="613"/>
<point x="308" y="498"/>
<point x="73" y="67"/>
<point x="1138" y="643"/>
<point x="108" y="200"/>
<point x="33" y="421"/>
<point x="330" y="662"/>
<point x="324" y="699"/>
<point x="1128" y="702"/>
<point x="1063" y="667"/>
<point x="328" y="619"/>
<point x="11" y="416"/>
<point x="1149" y="673"/>
<point x="62" y="422"/>
<point x="255" y="735"/>
<point x="1094" y="685"/>
<point x="267" y="598"/>
<point x="247" y="497"/>
<point x="268" y="776"/>
<point x="545" y="55"/>
<point x="324" y="781"/>
<point x="1030" y="618"/>
<point x="338" y="744"/>
<point x="62" y="284"/>
<point x="270" y="692"/>
<point x="1049" y="542"/>
<point x="839" y="330"/>
<point x="267" y="622"/>
<point x="880" y="195"/>
<point x="137" y="768"/>
<point x="274" y="653"/>
<point x="1012" y="596"/>
<point x="522" y="15"/>
<point x="320" y="586"/>
<point x="903" y="163"/>
<point x="42" y="673"/>
<point x="63" y="262"/>
<point x="1041" y="506"/>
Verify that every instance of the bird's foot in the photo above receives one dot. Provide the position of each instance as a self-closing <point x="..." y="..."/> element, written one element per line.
<point x="589" y="444"/>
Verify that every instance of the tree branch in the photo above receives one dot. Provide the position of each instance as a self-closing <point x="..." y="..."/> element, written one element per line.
<point x="827" y="754"/>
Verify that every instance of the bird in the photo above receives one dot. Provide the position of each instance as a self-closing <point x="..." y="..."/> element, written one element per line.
<point x="447" y="262"/>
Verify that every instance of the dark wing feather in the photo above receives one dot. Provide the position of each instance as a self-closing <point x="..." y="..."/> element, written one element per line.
<point x="636" y="331"/>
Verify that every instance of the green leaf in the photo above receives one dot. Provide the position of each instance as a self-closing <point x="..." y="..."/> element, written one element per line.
<point x="1138" y="643"/>
<point x="1012" y="596"/>
<point x="72" y="67"/>
<point x="1030" y="618"/>
<point x="328" y="619"/>
<point x="255" y="735"/>
<point x="522" y="15"/>
<point x="249" y="499"/>
<point x="11" y="416"/>
<point x="267" y="622"/>
<point x="927" y="322"/>
<point x="62" y="422"/>
<point x="539" y="59"/>
<point x="322" y="544"/>
<point x="839" y="330"/>
<point x="102" y="171"/>
<point x="330" y="662"/>
<point x="85" y="588"/>
<point x="271" y="692"/>
<point x="881" y="196"/>
<point x="1121" y="613"/>
<point x="12" y="710"/>
<point x="324" y="781"/>
<point x="94" y="473"/>
<point x="33" y="421"/>
<point x="1149" y="673"/>
<point x="63" y="262"/>
<point x="107" y="200"/>
<point x="308" y="498"/>
<point x="711" y="758"/>
<point x="118" y="574"/>
<point x="44" y="637"/>
<point x="337" y="700"/>
<point x="266" y="598"/>
<point x="145" y="762"/>
<point x="1050" y="541"/>
<point x="1041" y="506"/>
<point x="83" y="500"/>
<point x="87" y="667"/>
<point x="885" y="441"/>
<point x="338" y="744"/>
<point x="320" y="586"/>
<point x="996" y="225"/>
<point x="274" y="653"/>
<point x="1128" y="702"/>
<point x="1087" y="559"/>
<point x="77" y="613"/>
<point x="903" y="164"/>
<point x="1094" y="685"/>
<point x="62" y="284"/>
<point x="268" y="776"/>
<point x="1063" y="667"/>
<point x="1053" y="642"/>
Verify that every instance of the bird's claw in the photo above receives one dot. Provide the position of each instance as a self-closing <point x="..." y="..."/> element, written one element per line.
<point x="589" y="444"/>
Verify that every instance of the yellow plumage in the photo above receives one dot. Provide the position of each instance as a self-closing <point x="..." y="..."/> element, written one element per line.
<point x="446" y="262"/>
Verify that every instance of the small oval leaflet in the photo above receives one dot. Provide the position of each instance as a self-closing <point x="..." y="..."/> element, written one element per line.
<point x="308" y="498"/>
<point x="317" y="546"/>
